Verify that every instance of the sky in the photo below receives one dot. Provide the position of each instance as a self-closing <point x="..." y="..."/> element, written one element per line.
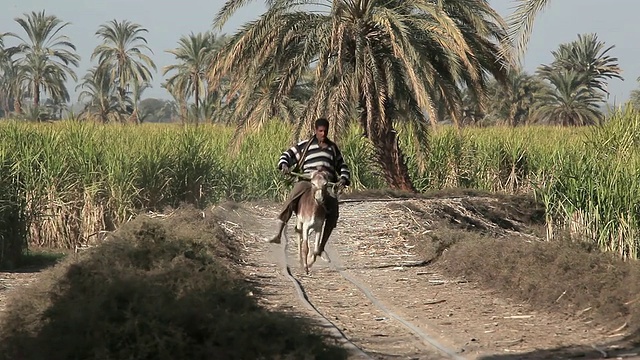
<point x="168" y="20"/>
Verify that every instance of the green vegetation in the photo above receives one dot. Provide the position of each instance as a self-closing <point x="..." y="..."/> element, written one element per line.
<point x="77" y="179"/>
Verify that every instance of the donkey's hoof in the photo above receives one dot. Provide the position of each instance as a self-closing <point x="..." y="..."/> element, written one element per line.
<point x="325" y="257"/>
<point x="274" y="240"/>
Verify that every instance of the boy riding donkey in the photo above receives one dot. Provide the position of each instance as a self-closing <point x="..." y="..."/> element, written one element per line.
<point x="308" y="155"/>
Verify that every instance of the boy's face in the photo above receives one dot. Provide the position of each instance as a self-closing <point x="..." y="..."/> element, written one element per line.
<point x="321" y="133"/>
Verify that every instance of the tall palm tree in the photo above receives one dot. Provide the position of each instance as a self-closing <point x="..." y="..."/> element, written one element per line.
<point x="569" y="102"/>
<point x="136" y="116"/>
<point x="4" y="94"/>
<point x="121" y="51"/>
<point x="13" y="84"/>
<point x="386" y="59"/>
<point x="3" y="54"/>
<point x="194" y="55"/>
<point x="588" y="56"/>
<point x="45" y="55"/>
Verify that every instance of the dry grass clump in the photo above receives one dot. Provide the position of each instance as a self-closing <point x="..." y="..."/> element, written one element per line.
<point x="159" y="289"/>
<point x="564" y="276"/>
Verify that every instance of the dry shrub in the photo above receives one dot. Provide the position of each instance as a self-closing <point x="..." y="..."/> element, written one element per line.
<point x="490" y="239"/>
<point x="158" y="289"/>
<point x="559" y="276"/>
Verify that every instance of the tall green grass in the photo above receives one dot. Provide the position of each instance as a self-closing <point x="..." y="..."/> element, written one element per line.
<point x="76" y="180"/>
<point x="13" y="222"/>
<point x="593" y="188"/>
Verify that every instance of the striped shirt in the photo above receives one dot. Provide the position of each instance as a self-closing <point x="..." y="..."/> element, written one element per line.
<point x="317" y="156"/>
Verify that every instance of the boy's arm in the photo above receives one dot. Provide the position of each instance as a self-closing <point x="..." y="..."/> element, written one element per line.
<point x="342" y="168"/>
<point x="290" y="156"/>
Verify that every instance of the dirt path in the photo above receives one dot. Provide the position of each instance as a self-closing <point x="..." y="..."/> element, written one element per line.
<point x="386" y="302"/>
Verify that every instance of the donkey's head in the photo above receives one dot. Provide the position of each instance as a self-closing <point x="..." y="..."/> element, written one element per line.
<point x="319" y="181"/>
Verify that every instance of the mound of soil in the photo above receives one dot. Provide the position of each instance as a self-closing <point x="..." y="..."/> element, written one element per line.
<point x="498" y="241"/>
<point x="156" y="289"/>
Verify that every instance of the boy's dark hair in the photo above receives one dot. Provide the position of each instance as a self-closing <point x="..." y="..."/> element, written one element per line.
<point x="322" y="122"/>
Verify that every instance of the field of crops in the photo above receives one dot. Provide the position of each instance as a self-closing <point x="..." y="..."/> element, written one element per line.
<point x="62" y="183"/>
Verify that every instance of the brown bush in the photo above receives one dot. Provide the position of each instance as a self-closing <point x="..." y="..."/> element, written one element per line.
<point x="560" y="276"/>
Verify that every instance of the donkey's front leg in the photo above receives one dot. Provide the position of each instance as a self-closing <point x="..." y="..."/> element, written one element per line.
<point x="299" y="240"/>
<point x="313" y="255"/>
<point x="304" y="248"/>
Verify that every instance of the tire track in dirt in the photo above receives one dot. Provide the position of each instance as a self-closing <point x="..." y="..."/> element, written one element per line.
<point x="426" y="338"/>
<point x="329" y="326"/>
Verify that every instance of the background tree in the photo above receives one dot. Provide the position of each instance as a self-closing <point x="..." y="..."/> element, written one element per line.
<point x="159" y="110"/>
<point x="569" y="102"/>
<point x="586" y="56"/>
<point x="44" y="57"/>
<point x="100" y="95"/>
<point x="385" y="60"/>
<point x="194" y="54"/>
<point x="122" y="52"/>
<point x="634" y="99"/>
<point x="179" y="92"/>
<point x="512" y="103"/>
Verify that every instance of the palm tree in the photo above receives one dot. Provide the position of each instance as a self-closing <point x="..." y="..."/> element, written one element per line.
<point x="179" y="91"/>
<point x="3" y="54"/>
<point x="4" y="94"/>
<point x="99" y="92"/>
<point x="46" y="55"/>
<point x="520" y="24"/>
<point x="193" y="53"/>
<point x="13" y="84"/>
<point x="121" y="52"/>
<point x="134" y="102"/>
<point x="588" y="56"/>
<point x="385" y="60"/>
<point x="569" y="102"/>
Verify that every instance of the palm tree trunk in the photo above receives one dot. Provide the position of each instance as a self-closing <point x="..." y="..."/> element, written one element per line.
<point x="133" y="118"/>
<point x="5" y="106"/>
<point x="391" y="159"/>
<point x="17" y="105"/>
<point x="36" y="93"/>
<point x="196" y="86"/>
<point x="184" y="111"/>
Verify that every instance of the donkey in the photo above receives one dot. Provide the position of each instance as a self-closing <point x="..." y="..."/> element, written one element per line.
<point x="310" y="216"/>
